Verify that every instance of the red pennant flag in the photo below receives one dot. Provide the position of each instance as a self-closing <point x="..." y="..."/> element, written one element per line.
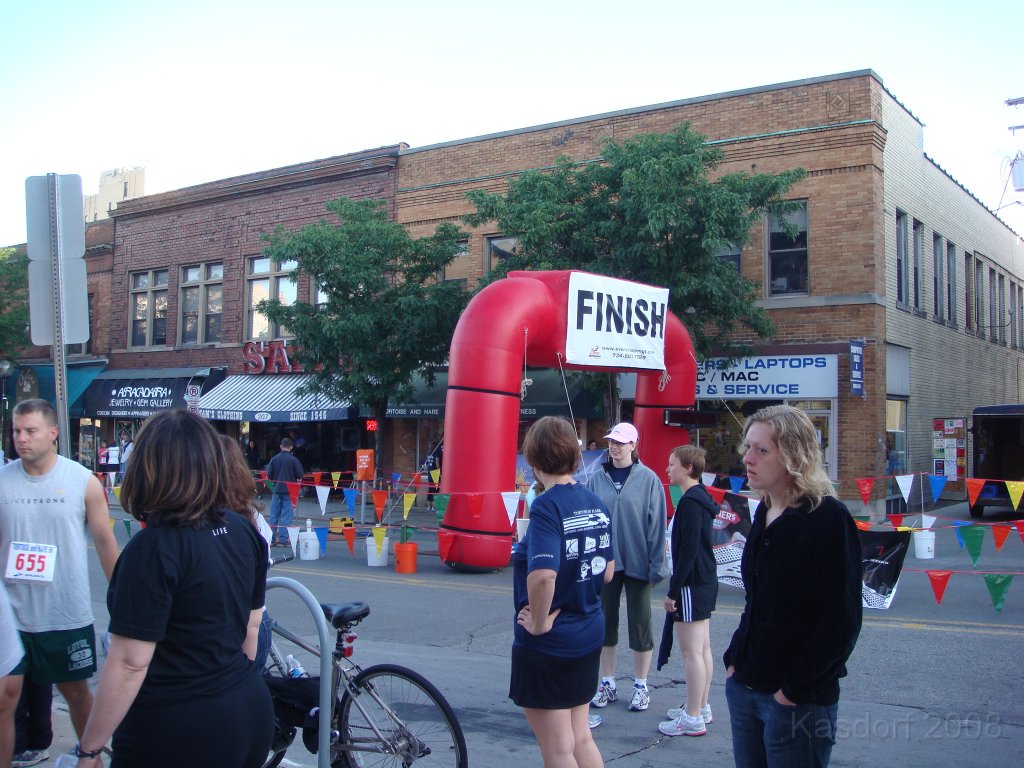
<point x="939" y="581"/>
<point x="718" y="494"/>
<point x="263" y="474"/>
<point x="1019" y="525"/>
<point x="974" y="486"/>
<point x="476" y="503"/>
<point x="862" y="525"/>
<point x="999" y="533"/>
<point x="865" y="485"/>
<point x="350" y="538"/>
<point x="445" y="539"/>
<point x="380" y="500"/>
<point x="317" y="477"/>
<point x="896" y="520"/>
<point x="293" y="492"/>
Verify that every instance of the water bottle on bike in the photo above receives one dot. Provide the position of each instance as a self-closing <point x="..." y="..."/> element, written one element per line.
<point x="295" y="668"/>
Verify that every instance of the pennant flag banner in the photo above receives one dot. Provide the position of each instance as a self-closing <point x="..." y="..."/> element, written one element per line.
<point x="441" y="504"/>
<point x="321" y="535"/>
<point x="998" y="584"/>
<point x="905" y="482"/>
<point x="865" y="486"/>
<point x="752" y="507"/>
<point x="396" y="478"/>
<point x="999" y="533"/>
<point x="927" y="521"/>
<point x="1015" y="488"/>
<point x="293" y="538"/>
<point x="973" y="536"/>
<point x="435" y="475"/>
<point x="349" y="532"/>
<point x="350" y="500"/>
<point x="379" y="533"/>
<point x="718" y="494"/>
<point x="317" y="477"/>
<point x="322" y="492"/>
<point x="896" y="520"/>
<point x="957" y="525"/>
<point x="117" y="493"/>
<point x="380" y="500"/>
<point x="408" y="499"/>
<point x="676" y="493"/>
<point x="938" y="482"/>
<point x="939" y="580"/>
<point x="293" y="492"/>
<point x="112" y="476"/>
<point x="511" y="500"/>
<point x="708" y="478"/>
<point x="127" y="527"/>
<point x="974" y="486"/>
<point x="1019" y="525"/>
<point x="445" y="539"/>
<point x="335" y="477"/>
<point x="735" y="483"/>
<point x="112" y="521"/>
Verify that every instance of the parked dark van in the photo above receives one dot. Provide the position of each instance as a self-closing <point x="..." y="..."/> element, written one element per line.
<point x="998" y="432"/>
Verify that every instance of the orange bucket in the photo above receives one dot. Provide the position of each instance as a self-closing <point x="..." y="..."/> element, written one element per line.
<point x="405" y="557"/>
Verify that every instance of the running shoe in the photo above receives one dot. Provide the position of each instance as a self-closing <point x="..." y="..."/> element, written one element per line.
<point x="605" y="693"/>
<point x="29" y="757"/>
<point x="705" y="713"/>
<point x="641" y="699"/>
<point x="684" y="725"/>
<point x="593" y="721"/>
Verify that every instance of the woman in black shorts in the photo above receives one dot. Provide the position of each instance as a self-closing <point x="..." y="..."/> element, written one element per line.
<point x="560" y="566"/>
<point x="692" y="590"/>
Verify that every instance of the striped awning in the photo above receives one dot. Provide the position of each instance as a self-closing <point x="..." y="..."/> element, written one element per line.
<point x="271" y="398"/>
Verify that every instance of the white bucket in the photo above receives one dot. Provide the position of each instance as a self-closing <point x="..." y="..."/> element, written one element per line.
<point x="372" y="557"/>
<point x="924" y="545"/>
<point x="309" y="546"/>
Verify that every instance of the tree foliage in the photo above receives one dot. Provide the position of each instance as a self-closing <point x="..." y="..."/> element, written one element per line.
<point x="651" y="211"/>
<point x="13" y="303"/>
<point x="386" y="314"/>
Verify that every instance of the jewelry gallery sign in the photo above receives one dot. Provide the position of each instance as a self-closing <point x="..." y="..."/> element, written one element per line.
<point x="615" y="323"/>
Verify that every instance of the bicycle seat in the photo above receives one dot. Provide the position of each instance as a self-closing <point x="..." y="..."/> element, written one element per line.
<point x="343" y="615"/>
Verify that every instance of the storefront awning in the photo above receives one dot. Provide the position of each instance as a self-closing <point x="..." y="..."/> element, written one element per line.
<point x="271" y="398"/>
<point x="80" y="376"/>
<point x="139" y="393"/>
<point x="546" y="396"/>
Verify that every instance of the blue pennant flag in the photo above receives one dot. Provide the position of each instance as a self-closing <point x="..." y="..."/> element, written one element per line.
<point x="938" y="483"/>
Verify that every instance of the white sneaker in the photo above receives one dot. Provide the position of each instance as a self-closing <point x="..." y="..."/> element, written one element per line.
<point x="593" y="721"/>
<point x="705" y="713"/>
<point x="605" y="694"/>
<point x="641" y="699"/>
<point x="684" y="725"/>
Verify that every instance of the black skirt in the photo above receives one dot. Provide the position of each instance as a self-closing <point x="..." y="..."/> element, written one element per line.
<point x="540" y="681"/>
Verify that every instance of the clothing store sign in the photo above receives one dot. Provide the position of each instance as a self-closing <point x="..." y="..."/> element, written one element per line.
<point x="771" y="377"/>
<point x="615" y="323"/>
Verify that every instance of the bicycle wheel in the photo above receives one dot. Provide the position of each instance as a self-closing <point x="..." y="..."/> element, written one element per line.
<point x="417" y="724"/>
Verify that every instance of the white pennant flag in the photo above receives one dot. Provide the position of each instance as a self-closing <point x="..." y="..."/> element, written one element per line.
<point x="322" y="492"/>
<point x="752" y="507"/>
<point x="511" y="499"/>
<point x="708" y="478"/>
<point x="927" y="521"/>
<point x="113" y="476"/>
<point x="293" y="537"/>
<point x="904" y="482"/>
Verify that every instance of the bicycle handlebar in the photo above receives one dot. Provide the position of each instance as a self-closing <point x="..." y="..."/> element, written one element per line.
<point x="281" y="559"/>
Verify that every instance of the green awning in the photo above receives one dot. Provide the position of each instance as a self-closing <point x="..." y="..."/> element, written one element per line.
<point x="80" y="376"/>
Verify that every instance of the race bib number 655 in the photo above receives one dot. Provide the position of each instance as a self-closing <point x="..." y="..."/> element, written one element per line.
<point x="31" y="562"/>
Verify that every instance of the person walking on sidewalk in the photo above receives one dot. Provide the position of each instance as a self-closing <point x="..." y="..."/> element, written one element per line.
<point x="802" y="578"/>
<point x="635" y="498"/>
<point x="283" y="468"/>
<point x="48" y="505"/>
<point x="692" y="591"/>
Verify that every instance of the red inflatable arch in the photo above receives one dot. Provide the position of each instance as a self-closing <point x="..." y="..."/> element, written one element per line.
<point x="526" y="315"/>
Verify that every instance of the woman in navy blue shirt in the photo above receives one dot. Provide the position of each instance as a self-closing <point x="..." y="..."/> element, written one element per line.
<point x="559" y="569"/>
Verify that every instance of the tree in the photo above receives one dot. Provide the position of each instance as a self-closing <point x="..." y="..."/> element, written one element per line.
<point x="649" y="212"/>
<point x="13" y="303"/>
<point x="386" y="315"/>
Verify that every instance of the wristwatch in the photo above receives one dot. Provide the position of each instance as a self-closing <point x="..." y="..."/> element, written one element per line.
<point x="79" y="752"/>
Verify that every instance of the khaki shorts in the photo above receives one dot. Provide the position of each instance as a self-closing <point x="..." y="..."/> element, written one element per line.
<point x="61" y="656"/>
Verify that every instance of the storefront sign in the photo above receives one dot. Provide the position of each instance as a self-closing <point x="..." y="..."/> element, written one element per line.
<point x="615" y="323"/>
<point x="768" y="378"/>
<point x="267" y="357"/>
<point x="857" y="367"/>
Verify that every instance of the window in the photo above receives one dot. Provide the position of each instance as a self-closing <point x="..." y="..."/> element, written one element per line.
<point x="969" y="289"/>
<point x="149" y="308"/>
<point x="787" y="252"/>
<point x="902" y="276"/>
<point x="918" y="248"/>
<point x="992" y="320"/>
<point x="1014" y="292"/>
<point x="202" y="303"/>
<point x="951" y="282"/>
<point x="86" y="347"/>
<point x="979" y="289"/>
<point x="938" y="287"/>
<point x="268" y="279"/>
<point x="458" y="268"/>
<point x="730" y="253"/>
<point x="1001" y="317"/>
<point x="496" y="249"/>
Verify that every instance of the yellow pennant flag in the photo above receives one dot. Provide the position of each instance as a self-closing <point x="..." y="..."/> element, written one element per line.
<point x="112" y="521"/>
<point x="379" y="532"/>
<point x="117" y="492"/>
<point x="407" y="501"/>
<point x="1016" y="488"/>
<point x="335" y="477"/>
<point x="435" y="475"/>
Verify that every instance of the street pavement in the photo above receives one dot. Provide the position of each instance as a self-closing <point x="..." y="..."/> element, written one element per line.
<point x="929" y="685"/>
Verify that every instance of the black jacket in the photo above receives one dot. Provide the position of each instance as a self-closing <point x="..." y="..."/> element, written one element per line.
<point x="693" y="560"/>
<point x="802" y="577"/>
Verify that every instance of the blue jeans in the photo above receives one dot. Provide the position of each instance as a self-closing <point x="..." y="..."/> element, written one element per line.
<point x="263" y="641"/>
<point x="766" y="734"/>
<point x="280" y="515"/>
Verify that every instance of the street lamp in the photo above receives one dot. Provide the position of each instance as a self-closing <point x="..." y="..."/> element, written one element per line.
<point x="5" y="370"/>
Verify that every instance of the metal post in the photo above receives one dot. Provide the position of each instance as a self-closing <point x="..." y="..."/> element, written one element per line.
<point x="60" y="372"/>
<point x="5" y="371"/>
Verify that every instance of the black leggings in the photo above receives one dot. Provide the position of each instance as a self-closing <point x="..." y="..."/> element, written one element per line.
<point x="233" y="730"/>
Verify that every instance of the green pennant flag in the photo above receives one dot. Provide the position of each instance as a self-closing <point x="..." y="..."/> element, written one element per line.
<point x="998" y="585"/>
<point x="128" y="527"/>
<point x="441" y="504"/>
<point x="973" y="536"/>
<point x="270" y="485"/>
<point x="676" y="493"/>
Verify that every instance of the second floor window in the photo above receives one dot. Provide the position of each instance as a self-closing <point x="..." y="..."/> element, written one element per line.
<point x="902" y="260"/>
<point x="458" y="268"/>
<point x="202" y="303"/>
<point x="497" y="249"/>
<point x="730" y="253"/>
<point x="268" y="279"/>
<point x="149" y="308"/>
<point x="787" y="252"/>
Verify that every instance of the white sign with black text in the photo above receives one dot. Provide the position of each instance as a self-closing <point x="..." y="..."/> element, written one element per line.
<point x="615" y="323"/>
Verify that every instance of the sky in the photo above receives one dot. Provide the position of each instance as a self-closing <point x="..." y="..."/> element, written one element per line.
<point x="200" y="90"/>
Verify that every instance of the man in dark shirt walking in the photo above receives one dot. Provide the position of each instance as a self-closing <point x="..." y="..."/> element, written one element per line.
<point x="283" y="468"/>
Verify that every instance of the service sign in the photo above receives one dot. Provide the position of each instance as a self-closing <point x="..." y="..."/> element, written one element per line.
<point x="770" y="377"/>
<point x="615" y="323"/>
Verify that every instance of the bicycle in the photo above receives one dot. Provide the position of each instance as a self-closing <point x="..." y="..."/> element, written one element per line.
<point x="384" y="715"/>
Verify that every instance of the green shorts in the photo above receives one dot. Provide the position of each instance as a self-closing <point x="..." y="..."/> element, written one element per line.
<point x="61" y="656"/>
